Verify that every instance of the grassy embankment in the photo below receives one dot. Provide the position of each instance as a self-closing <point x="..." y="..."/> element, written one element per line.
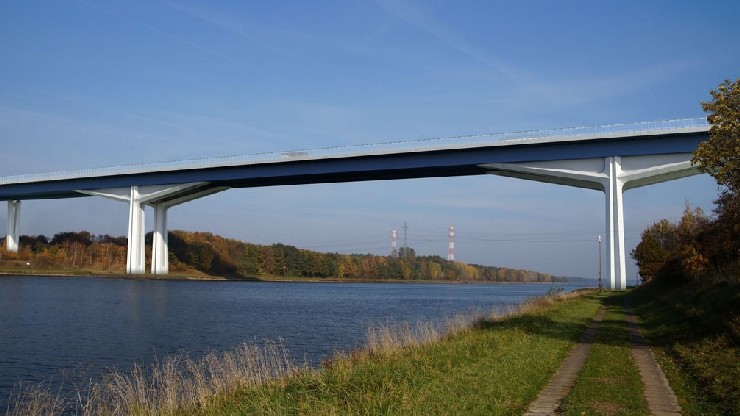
<point x="495" y="367"/>
<point x="499" y="366"/>
<point x="694" y="331"/>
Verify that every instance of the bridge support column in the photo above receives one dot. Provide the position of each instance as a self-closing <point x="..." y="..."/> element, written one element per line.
<point x="135" y="257"/>
<point x="612" y="175"/>
<point x="616" y="256"/>
<point x="14" y="219"/>
<point x="160" y="254"/>
<point x="161" y="197"/>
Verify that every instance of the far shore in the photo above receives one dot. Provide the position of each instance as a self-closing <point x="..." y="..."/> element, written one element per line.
<point x="209" y="278"/>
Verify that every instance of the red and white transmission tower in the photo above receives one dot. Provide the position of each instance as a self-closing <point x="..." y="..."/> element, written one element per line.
<point x="451" y="249"/>
<point x="394" y="243"/>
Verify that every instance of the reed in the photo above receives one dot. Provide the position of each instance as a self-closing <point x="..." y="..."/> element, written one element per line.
<point x="390" y="337"/>
<point x="164" y="388"/>
<point x="36" y="399"/>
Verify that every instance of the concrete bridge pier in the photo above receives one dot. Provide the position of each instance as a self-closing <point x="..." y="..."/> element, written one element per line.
<point x="14" y="219"/>
<point x="161" y="197"/>
<point x="612" y="175"/>
<point x="135" y="255"/>
<point x="173" y="196"/>
<point x="615" y="250"/>
<point x="160" y="251"/>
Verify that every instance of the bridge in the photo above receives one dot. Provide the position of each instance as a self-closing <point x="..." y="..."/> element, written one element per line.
<point x="610" y="159"/>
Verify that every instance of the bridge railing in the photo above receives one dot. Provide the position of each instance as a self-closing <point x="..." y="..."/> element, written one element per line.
<point x="487" y="139"/>
<point x="418" y="145"/>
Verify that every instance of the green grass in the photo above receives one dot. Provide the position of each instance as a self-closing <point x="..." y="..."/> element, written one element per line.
<point x="609" y="383"/>
<point x="694" y="331"/>
<point x="497" y="367"/>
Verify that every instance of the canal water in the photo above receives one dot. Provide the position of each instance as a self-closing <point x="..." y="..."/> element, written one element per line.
<point x="69" y="330"/>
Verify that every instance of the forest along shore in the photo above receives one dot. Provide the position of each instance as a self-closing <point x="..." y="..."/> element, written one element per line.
<point x="205" y="255"/>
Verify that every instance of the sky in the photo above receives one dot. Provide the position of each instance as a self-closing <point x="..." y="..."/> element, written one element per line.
<point x="86" y="83"/>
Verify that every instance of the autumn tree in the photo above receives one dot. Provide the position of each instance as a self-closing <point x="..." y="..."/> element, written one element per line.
<point x="658" y="243"/>
<point x="720" y="155"/>
<point x="35" y="242"/>
<point x="220" y="256"/>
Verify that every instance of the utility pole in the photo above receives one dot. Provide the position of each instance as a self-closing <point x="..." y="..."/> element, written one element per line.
<point x="599" y="263"/>
<point x="405" y="240"/>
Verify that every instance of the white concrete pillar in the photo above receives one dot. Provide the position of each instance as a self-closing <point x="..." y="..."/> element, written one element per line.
<point x="613" y="176"/>
<point x="160" y="263"/>
<point x="135" y="258"/>
<point x="14" y="220"/>
<point x="615" y="251"/>
<point x="161" y="197"/>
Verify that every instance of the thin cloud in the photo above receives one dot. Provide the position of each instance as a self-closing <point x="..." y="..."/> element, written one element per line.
<point x="71" y="141"/>
<point x="227" y="22"/>
<point x="194" y="45"/>
<point x="528" y="86"/>
<point x="581" y="91"/>
<point x="417" y="17"/>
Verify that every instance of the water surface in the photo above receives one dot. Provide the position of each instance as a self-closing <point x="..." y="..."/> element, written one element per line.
<point x="72" y="329"/>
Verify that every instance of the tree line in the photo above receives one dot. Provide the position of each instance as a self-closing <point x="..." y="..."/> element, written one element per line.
<point x="215" y="255"/>
<point x="699" y="246"/>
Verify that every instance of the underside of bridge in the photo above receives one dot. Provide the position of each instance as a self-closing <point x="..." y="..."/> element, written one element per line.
<point x="611" y="159"/>
<point x="611" y="175"/>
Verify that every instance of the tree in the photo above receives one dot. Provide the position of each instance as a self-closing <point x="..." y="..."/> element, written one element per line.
<point x="720" y="155"/>
<point x="407" y="253"/>
<point x="36" y="243"/>
<point x="659" y="243"/>
<point x="80" y="237"/>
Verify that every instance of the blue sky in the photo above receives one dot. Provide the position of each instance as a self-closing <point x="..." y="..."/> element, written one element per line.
<point x="100" y="83"/>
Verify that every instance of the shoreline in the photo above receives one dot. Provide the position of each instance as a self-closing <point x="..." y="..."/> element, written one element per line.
<point x="363" y="378"/>
<point x="261" y="279"/>
<point x="262" y="365"/>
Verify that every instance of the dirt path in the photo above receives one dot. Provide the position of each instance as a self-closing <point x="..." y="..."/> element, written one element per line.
<point x="549" y="399"/>
<point x="658" y="394"/>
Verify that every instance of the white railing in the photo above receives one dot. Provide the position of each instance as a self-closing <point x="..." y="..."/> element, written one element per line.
<point x="439" y="143"/>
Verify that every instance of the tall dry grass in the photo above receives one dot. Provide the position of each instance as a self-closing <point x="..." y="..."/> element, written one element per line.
<point x="177" y="382"/>
<point x="390" y="337"/>
<point x="166" y="387"/>
<point x="36" y="399"/>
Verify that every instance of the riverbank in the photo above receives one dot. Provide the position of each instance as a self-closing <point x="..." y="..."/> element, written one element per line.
<point x="21" y="270"/>
<point x="174" y="382"/>
<point x="497" y="365"/>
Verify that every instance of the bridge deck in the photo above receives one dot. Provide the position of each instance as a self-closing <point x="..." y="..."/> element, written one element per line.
<point x="437" y="157"/>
